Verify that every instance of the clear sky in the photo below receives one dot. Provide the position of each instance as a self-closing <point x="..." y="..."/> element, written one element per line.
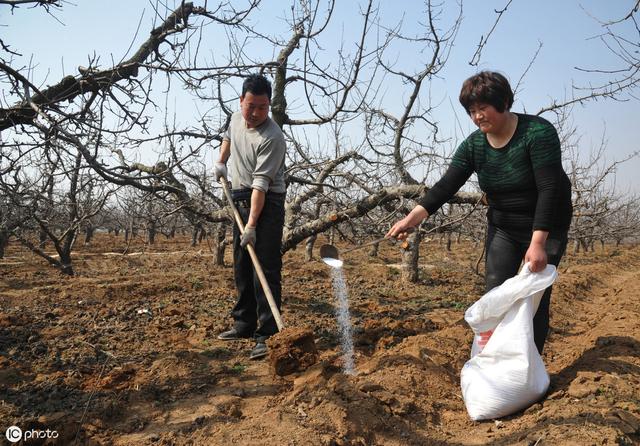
<point x="567" y="29"/>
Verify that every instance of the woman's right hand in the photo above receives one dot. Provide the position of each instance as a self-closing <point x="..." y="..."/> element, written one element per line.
<point x="402" y="228"/>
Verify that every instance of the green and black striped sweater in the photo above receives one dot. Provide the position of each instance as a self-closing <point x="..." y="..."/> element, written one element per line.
<point x="525" y="184"/>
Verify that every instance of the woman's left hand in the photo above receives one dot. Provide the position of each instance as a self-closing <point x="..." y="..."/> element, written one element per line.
<point x="536" y="256"/>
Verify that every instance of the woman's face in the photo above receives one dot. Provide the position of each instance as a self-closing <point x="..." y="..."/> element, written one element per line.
<point x="487" y="118"/>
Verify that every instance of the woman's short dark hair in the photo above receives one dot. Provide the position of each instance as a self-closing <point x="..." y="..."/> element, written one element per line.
<point x="256" y="84"/>
<point x="487" y="87"/>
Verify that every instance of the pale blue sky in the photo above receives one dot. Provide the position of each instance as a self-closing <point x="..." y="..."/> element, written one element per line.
<point x="563" y="26"/>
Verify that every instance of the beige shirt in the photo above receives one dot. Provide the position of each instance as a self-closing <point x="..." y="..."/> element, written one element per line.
<point x="257" y="155"/>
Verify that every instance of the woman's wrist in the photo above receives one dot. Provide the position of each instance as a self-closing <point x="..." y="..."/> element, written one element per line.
<point x="417" y="215"/>
<point x="539" y="238"/>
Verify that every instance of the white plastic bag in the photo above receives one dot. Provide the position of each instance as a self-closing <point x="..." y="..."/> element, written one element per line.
<point x="507" y="374"/>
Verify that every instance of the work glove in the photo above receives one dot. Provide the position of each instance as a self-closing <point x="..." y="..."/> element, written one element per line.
<point x="248" y="236"/>
<point x="220" y="171"/>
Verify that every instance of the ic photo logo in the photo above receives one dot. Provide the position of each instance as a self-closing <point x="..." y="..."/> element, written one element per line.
<point x="13" y="434"/>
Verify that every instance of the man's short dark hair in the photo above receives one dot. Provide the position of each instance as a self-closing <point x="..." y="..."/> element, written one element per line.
<point x="487" y="87"/>
<point x="256" y="84"/>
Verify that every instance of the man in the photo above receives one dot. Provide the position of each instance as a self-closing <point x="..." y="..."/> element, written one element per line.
<point x="255" y="148"/>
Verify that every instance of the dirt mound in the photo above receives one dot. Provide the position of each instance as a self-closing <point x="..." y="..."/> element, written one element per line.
<point x="292" y="350"/>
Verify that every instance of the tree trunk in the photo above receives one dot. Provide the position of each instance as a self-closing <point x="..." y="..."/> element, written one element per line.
<point x="584" y="245"/>
<point x="449" y="241"/>
<point x="4" y="241"/>
<point x="126" y="235"/>
<point x="194" y="235"/>
<point x="308" y="252"/>
<point x="42" y="238"/>
<point x="374" y="249"/>
<point x="65" y="264"/>
<point x="410" y="256"/>
<point x="88" y="234"/>
<point x="64" y="251"/>
<point x="221" y="235"/>
<point x="151" y="233"/>
<point x="116" y="231"/>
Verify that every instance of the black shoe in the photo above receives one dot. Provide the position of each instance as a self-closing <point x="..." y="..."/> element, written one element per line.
<point x="232" y="335"/>
<point x="259" y="351"/>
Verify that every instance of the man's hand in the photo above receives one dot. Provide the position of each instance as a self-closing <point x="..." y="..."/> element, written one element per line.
<point x="220" y="171"/>
<point x="248" y="236"/>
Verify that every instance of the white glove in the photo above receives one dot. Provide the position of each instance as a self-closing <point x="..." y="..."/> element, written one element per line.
<point x="248" y="236"/>
<point x="220" y="171"/>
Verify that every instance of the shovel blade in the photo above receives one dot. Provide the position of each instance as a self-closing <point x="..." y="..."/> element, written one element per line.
<point x="330" y="256"/>
<point x="329" y="252"/>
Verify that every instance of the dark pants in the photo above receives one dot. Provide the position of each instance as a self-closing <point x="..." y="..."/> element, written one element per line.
<point x="252" y="314"/>
<point x="505" y="252"/>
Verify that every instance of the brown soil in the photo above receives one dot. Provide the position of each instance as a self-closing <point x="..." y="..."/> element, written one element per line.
<point x="125" y="353"/>
<point x="292" y="350"/>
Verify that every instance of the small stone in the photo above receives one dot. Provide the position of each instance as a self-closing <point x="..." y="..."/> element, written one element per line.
<point x="6" y="320"/>
<point x="368" y="387"/>
<point x="534" y="408"/>
<point x="556" y="395"/>
<point x="629" y="419"/>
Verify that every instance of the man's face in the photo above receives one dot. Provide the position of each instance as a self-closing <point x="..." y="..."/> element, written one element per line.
<point x="255" y="109"/>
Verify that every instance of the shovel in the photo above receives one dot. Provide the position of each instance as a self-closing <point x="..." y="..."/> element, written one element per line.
<point x="330" y="255"/>
<point x="292" y="349"/>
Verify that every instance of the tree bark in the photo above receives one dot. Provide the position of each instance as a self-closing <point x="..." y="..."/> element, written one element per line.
<point x="42" y="239"/>
<point x="4" y="241"/>
<point x="151" y="233"/>
<point x="410" y="257"/>
<point x="221" y="235"/>
<point x="88" y="234"/>
<point x="374" y="250"/>
<point x="194" y="235"/>
<point x="308" y="253"/>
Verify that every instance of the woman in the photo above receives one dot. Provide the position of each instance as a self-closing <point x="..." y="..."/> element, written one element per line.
<point x="517" y="159"/>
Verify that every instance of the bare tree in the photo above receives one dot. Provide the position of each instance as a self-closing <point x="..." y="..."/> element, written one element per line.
<point x="596" y="203"/>
<point x="352" y="186"/>
<point x="75" y="198"/>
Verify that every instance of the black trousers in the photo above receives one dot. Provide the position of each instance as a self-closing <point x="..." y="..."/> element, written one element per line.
<point x="252" y="314"/>
<point x="505" y="252"/>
